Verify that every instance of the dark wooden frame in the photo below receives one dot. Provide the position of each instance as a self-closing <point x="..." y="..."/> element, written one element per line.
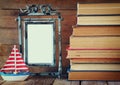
<point x="46" y="11"/>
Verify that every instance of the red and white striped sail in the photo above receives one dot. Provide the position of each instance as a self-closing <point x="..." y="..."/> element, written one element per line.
<point x="15" y="62"/>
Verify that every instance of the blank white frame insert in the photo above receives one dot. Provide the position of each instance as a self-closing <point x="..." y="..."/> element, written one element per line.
<point x="40" y="44"/>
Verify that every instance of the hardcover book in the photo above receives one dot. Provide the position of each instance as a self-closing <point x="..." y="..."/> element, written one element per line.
<point x="98" y="20"/>
<point x="98" y="8"/>
<point x="94" y="67"/>
<point x="94" y="60"/>
<point x="96" y="30"/>
<point x="95" y="42"/>
<point x="93" y="75"/>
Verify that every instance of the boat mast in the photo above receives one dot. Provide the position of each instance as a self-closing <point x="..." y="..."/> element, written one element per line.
<point x="15" y="58"/>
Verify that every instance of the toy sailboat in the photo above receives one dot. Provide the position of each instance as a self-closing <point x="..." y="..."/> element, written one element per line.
<point x="14" y="69"/>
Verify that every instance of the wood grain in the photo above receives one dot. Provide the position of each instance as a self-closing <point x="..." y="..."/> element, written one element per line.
<point x="113" y="83"/>
<point x="38" y="80"/>
<point x="61" y="82"/>
<point x="9" y="12"/>
<point x="8" y="21"/>
<point x="75" y="83"/>
<point x="3" y="60"/>
<point x="8" y="36"/>
<point x="5" y="49"/>
<point x="93" y="83"/>
<point x="16" y="4"/>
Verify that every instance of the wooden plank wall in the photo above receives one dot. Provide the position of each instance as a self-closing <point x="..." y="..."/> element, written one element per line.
<point x="8" y="26"/>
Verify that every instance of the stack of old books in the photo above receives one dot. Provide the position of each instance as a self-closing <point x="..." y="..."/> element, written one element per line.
<point x="94" y="50"/>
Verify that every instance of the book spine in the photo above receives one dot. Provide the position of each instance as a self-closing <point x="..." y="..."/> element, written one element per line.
<point x="72" y="75"/>
<point x="98" y="20"/>
<point x="96" y="31"/>
<point x="95" y="60"/>
<point x="95" y="42"/>
<point x="98" y="9"/>
<point x="95" y="67"/>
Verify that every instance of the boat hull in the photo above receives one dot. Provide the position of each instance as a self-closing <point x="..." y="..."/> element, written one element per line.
<point x="14" y="77"/>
